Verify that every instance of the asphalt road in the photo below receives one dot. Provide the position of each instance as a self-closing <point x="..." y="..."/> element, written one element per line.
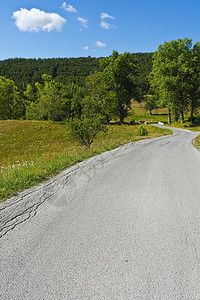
<point x="123" y="225"/>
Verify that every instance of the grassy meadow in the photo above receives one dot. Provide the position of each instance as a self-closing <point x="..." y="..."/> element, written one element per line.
<point x="32" y="151"/>
<point x="138" y="113"/>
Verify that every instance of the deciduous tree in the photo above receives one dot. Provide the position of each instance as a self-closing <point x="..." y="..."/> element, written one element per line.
<point x="11" y="104"/>
<point x="175" y="75"/>
<point x="120" y="72"/>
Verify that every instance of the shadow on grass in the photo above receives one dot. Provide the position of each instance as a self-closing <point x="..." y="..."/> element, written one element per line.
<point x="158" y="114"/>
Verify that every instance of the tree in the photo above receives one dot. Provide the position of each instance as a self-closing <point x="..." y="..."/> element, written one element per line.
<point x="11" y="103"/>
<point x="29" y="94"/>
<point x="72" y="96"/>
<point x="86" y="128"/>
<point x="120" y="72"/>
<point x="150" y="104"/>
<point x="194" y="99"/>
<point x="50" y="101"/>
<point x="173" y="76"/>
<point x="99" y="96"/>
<point x="54" y="100"/>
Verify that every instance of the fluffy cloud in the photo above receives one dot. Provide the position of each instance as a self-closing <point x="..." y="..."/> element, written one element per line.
<point x="69" y="8"/>
<point x="35" y="20"/>
<point x="104" y="24"/>
<point x="105" y="15"/>
<point x="86" y="48"/>
<point x="100" y="44"/>
<point x="83" y="22"/>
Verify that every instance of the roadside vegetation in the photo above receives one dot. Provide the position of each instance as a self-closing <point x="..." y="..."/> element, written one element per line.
<point x="197" y="141"/>
<point x="32" y="151"/>
<point x="174" y="79"/>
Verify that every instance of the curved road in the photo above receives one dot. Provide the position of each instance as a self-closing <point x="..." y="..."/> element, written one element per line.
<point x="122" y="225"/>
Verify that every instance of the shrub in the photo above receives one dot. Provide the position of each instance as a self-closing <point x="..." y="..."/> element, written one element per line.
<point x="142" y="131"/>
<point x="86" y="129"/>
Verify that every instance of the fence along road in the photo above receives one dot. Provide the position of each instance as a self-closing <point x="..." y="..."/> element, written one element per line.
<point x="122" y="225"/>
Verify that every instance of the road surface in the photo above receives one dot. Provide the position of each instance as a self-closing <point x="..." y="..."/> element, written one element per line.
<point x="122" y="225"/>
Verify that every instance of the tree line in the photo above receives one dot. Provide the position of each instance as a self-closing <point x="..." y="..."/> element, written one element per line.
<point x="106" y="92"/>
<point x="175" y="79"/>
<point x="66" y="70"/>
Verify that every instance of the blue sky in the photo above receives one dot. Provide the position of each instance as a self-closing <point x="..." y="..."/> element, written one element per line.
<point x="74" y="28"/>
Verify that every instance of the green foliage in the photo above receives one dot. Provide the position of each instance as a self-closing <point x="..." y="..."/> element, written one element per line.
<point x="33" y="112"/>
<point x="119" y="73"/>
<point x="144" y="63"/>
<point x="50" y="100"/>
<point x="11" y="102"/>
<point x="66" y="70"/>
<point x="86" y="129"/>
<point x="63" y="100"/>
<point x="55" y="101"/>
<point x="142" y="131"/>
<point x="29" y="94"/>
<point x="175" y="76"/>
<point x="72" y="96"/>
<point x="100" y="96"/>
<point x="150" y="104"/>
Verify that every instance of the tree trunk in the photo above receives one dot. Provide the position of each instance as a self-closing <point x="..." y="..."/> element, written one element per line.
<point x="121" y="117"/>
<point x="192" y="114"/>
<point x="182" y="116"/>
<point x="107" y="120"/>
<point x="169" y="116"/>
<point x="175" y="117"/>
<point x="121" y="114"/>
<point x="150" y="112"/>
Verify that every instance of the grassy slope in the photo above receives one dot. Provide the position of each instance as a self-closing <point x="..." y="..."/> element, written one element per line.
<point x="30" y="151"/>
<point x="138" y="113"/>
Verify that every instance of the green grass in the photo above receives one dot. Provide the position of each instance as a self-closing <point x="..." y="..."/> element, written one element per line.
<point x="197" y="141"/>
<point x="138" y="113"/>
<point x="32" y="151"/>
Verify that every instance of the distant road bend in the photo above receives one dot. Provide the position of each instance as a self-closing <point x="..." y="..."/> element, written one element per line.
<point x="122" y="225"/>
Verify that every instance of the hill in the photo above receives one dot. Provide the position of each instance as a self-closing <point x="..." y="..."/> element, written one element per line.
<point x="28" y="71"/>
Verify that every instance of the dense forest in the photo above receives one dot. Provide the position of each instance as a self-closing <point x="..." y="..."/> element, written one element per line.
<point x="65" y="70"/>
<point x="67" y="88"/>
<point x="92" y="89"/>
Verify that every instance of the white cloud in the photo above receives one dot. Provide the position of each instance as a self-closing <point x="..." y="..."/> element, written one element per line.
<point x="35" y="20"/>
<point x="86" y="48"/>
<point x="83" y="22"/>
<point x="105" y="15"/>
<point x="104" y="24"/>
<point x="100" y="44"/>
<point x="69" y="8"/>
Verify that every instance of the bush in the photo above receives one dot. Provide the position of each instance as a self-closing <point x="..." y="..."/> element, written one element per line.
<point x="142" y="131"/>
<point x="86" y="129"/>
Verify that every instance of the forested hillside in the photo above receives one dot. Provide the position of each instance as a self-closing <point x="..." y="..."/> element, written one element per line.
<point x="29" y="71"/>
